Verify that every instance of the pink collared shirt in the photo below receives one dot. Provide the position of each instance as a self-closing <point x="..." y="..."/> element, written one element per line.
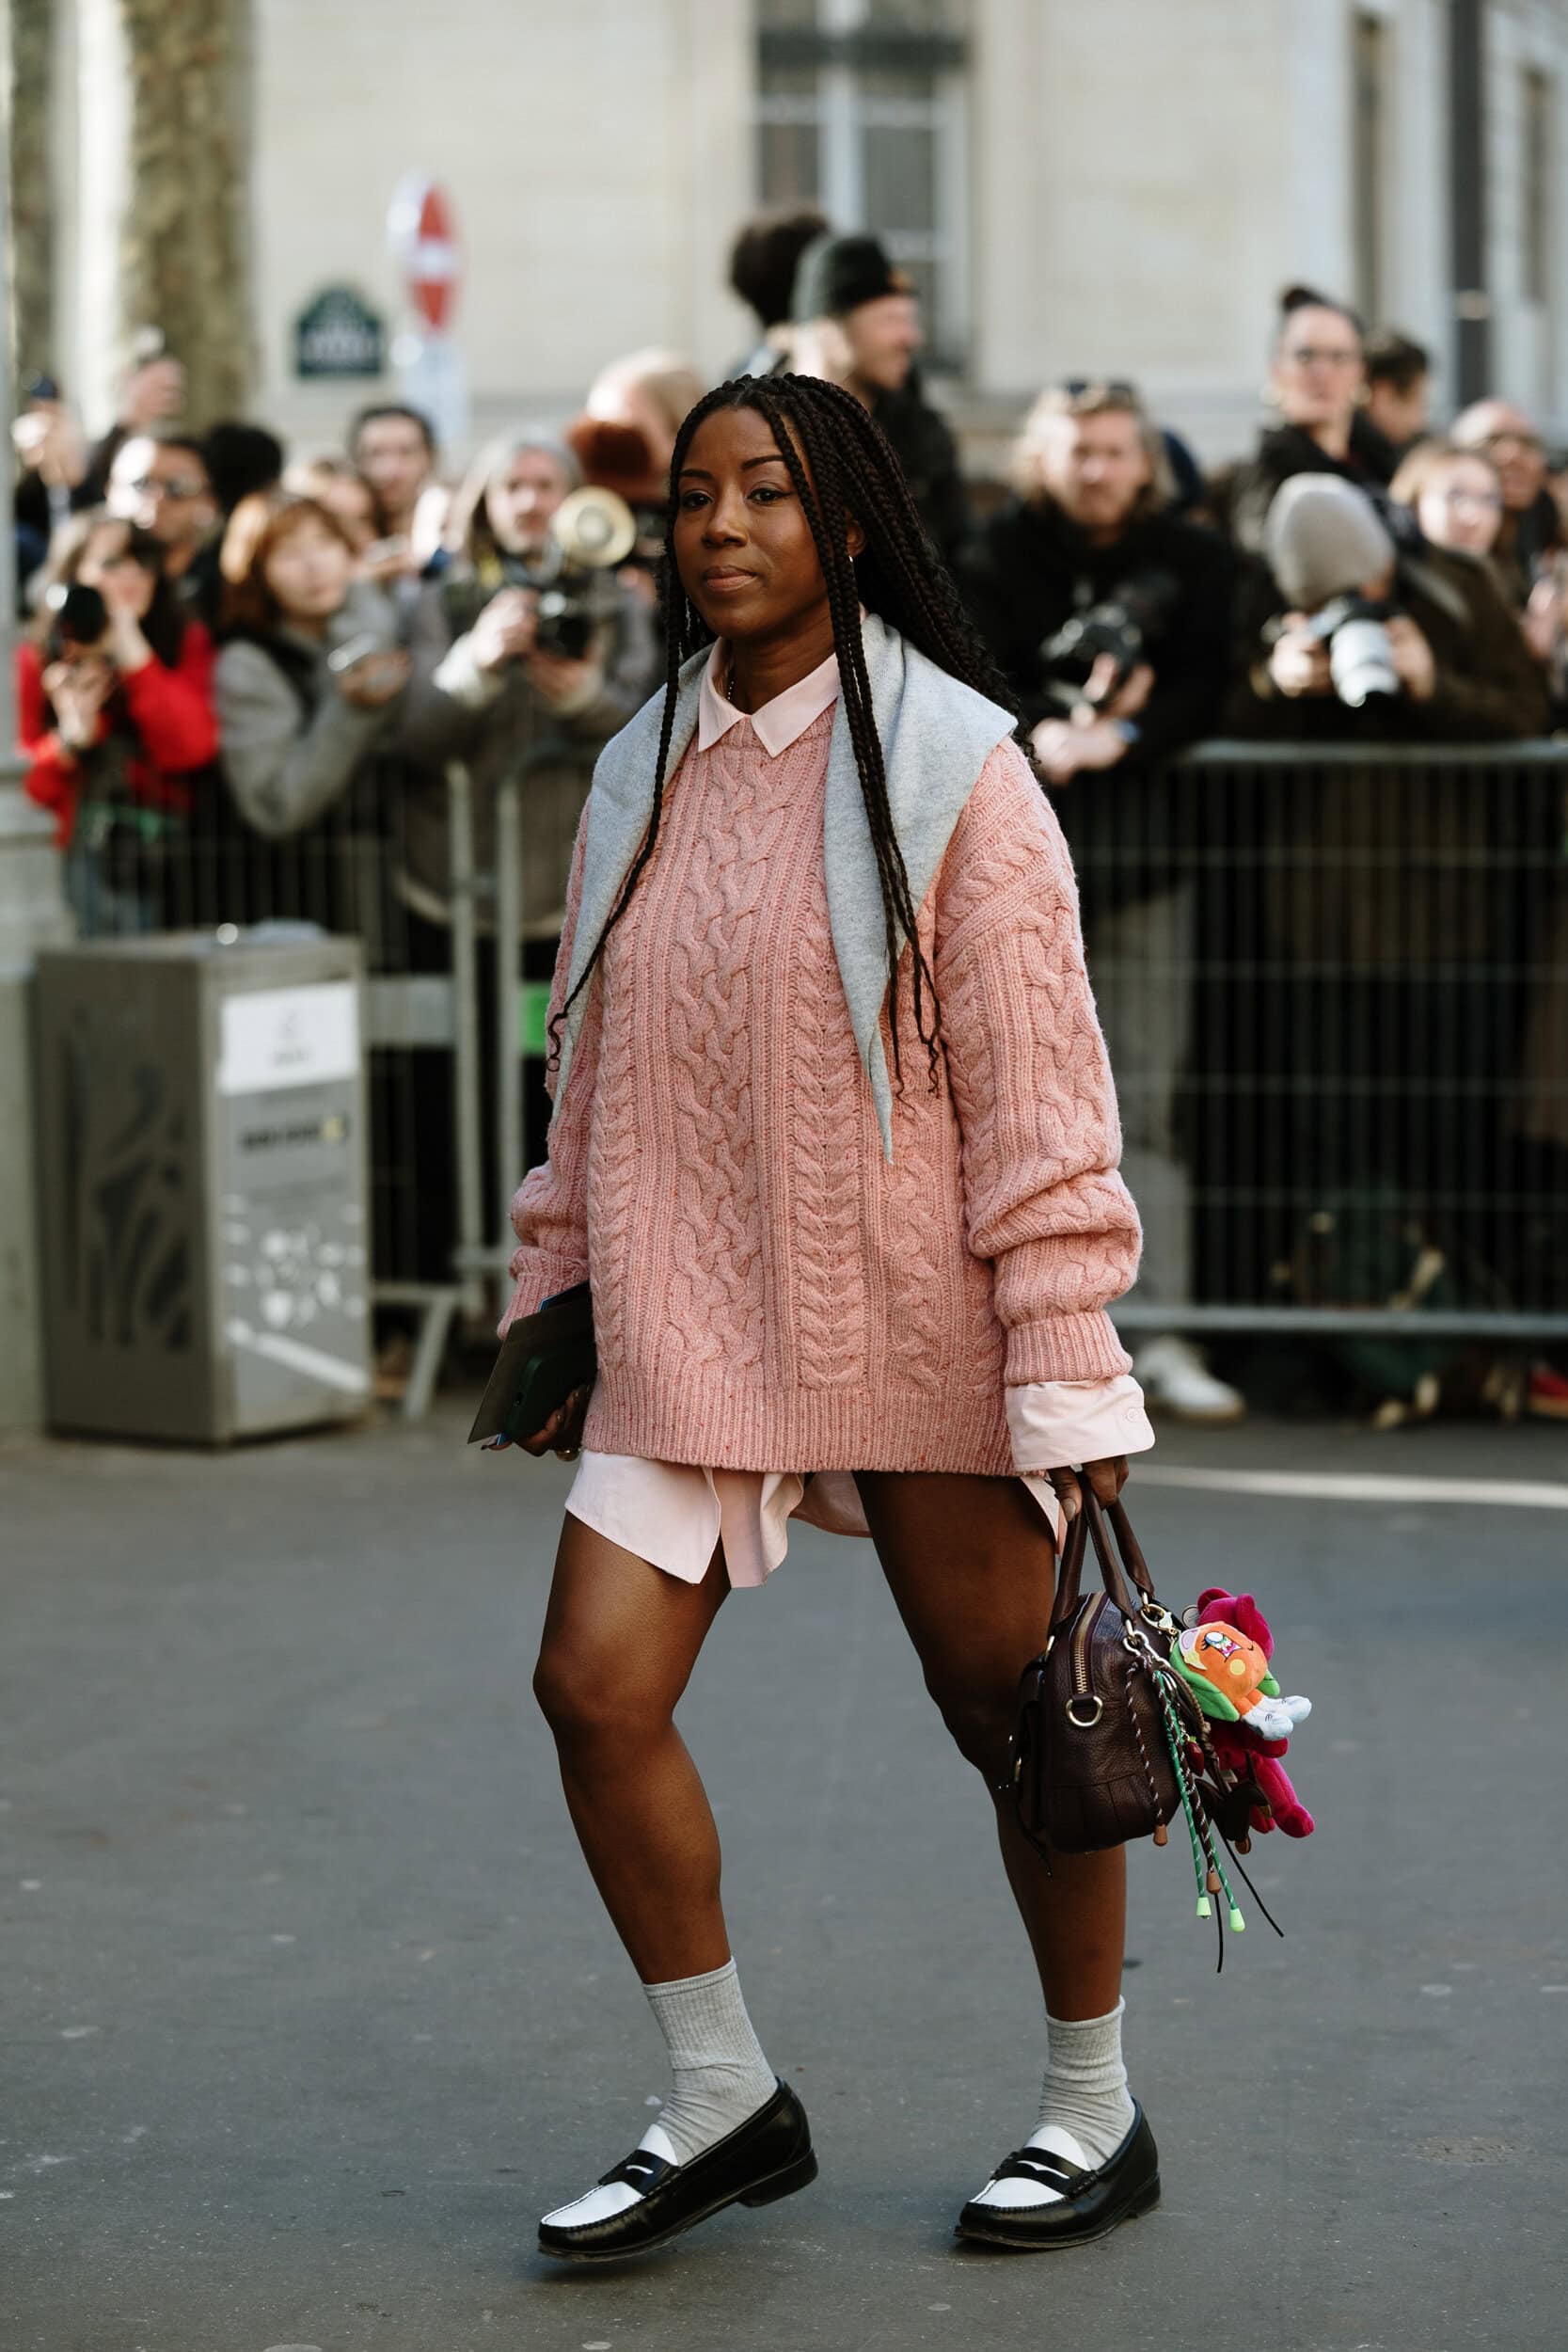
<point x="675" y="1514"/>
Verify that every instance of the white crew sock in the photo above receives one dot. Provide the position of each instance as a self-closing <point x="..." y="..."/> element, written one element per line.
<point x="721" y="2074"/>
<point x="1085" y="2112"/>
<point x="721" y="2079"/>
<point x="1084" y="2091"/>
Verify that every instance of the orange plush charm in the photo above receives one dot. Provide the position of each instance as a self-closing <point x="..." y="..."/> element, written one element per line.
<point x="1230" y="1677"/>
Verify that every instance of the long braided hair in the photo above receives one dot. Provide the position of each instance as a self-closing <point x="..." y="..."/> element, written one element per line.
<point x="841" y="465"/>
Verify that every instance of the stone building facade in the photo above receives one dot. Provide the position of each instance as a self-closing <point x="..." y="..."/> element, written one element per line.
<point x="1118" y="187"/>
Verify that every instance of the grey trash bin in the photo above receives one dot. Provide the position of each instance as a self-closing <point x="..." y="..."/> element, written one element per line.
<point x="203" y="1185"/>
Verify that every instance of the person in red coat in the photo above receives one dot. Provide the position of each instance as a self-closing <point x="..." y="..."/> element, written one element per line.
<point x="116" y="720"/>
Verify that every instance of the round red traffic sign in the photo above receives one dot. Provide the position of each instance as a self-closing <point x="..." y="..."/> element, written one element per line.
<point x="426" y="235"/>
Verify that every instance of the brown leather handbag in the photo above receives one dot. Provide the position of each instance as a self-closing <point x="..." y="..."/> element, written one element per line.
<point x="1095" y="1762"/>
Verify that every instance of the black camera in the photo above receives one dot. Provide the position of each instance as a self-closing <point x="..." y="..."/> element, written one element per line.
<point x="564" y="607"/>
<point x="1120" y="626"/>
<point x="80" y="616"/>
<point x="591" y="532"/>
<point x="1360" y="656"/>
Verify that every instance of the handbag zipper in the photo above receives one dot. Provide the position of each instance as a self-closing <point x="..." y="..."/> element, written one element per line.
<point x="1083" y="1634"/>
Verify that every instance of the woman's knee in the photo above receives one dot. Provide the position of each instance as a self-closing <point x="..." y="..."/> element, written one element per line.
<point x="587" y="1699"/>
<point x="979" y="1720"/>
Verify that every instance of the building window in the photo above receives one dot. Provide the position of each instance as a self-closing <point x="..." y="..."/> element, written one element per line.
<point x="861" y="110"/>
<point x="1535" y="195"/>
<point x="1368" y="160"/>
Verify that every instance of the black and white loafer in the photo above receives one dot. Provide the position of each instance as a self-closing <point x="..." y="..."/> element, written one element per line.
<point x="1047" y="2195"/>
<point x="648" y="2199"/>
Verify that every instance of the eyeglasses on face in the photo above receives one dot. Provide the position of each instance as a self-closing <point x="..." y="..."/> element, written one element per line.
<point x="1113" y="387"/>
<point x="179" y="486"/>
<point x="1480" y="502"/>
<point x="1525" y="444"/>
<point x="1315" y="355"/>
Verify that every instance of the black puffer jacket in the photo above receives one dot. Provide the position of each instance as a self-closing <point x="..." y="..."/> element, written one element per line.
<point x="1240" y="496"/>
<point x="1031" y="570"/>
<point x="923" y="445"/>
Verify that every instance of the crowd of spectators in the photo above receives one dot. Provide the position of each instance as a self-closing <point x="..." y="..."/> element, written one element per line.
<point x="227" y="649"/>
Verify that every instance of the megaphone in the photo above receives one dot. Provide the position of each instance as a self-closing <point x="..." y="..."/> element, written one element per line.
<point x="594" y="528"/>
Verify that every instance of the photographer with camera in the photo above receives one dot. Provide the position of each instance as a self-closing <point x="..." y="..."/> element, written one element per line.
<point x="1111" y="619"/>
<point x="525" y="662"/>
<point x="1346" y="636"/>
<point x="518" y="670"/>
<point x="1386" y="941"/>
<point x="115" y="715"/>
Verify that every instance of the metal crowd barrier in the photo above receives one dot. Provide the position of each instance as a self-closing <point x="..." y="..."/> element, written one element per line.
<point x="1335" y="984"/>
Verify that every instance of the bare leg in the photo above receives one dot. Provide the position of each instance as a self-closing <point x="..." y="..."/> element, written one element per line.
<point x="621" y="1639"/>
<point x="969" y="1565"/>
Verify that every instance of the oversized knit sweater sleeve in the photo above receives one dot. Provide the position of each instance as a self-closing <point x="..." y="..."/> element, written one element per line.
<point x="1031" y="1083"/>
<point x="549" y="1210"/>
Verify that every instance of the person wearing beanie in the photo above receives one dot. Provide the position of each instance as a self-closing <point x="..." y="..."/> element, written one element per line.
<point x="763" y="261"/>
<point x="1323" y="538"/>
<point x="1463" y="671"/>
<point x="857" y="323"/>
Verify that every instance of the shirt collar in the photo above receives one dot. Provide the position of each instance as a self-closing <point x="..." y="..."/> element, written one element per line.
<point x="779" y="723"/>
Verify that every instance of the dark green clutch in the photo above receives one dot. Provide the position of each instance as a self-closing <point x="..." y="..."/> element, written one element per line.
<point x="543" y="1359"/>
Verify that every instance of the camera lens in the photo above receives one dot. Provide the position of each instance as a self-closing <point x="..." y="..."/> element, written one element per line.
<point x="81" y="615"/>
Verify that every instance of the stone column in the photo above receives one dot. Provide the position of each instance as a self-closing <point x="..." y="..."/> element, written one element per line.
<point x="183" y="258"/>
<point x="32" y="915"/>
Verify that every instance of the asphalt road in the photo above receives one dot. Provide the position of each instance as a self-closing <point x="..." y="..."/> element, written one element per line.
<point x="309" y="2009"/>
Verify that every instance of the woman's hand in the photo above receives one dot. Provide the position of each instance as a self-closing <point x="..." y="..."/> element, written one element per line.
<point x="124" y="591"/>
<point x="374" y="680"/>
<point x="1106" y="1480"/>
<point x="1542" y="618"/>
<point x="387" y="560"/>
<point x="506" y="629"/>
<point x="1414" y="663"/>
<point x="1065" y="749"/>
<point x="563" y="1432"/>
<point x="558" y="678"/>
<point x="1298" y="662"/>
<point x="78" y="692"/>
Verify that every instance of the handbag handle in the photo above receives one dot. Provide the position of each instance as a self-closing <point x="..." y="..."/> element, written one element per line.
<point x="1131" y="1553"/>
<point x="1110" y="1567"/>
<point x="1090" y="1523"/>
<point x="1069" y="1572"/>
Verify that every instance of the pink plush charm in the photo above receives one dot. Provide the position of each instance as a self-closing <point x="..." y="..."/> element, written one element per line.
<point x="1247" y="1753"/>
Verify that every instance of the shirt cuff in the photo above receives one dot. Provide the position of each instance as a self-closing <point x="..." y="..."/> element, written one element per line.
<point x="460" y="677"/>
<point x="580" y="698"/>
<point x="1055" y="1423"/>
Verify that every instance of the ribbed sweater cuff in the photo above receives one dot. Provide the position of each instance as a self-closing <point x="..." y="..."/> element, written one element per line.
<point x="1064" y="1347"/>
<point x="538" y="1274"/>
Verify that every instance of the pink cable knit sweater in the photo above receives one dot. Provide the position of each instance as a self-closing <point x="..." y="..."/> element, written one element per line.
<point x="769" y="1290"/>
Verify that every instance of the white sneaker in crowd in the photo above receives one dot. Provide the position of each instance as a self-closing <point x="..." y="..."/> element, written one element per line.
<point x="1175" y="1379"/>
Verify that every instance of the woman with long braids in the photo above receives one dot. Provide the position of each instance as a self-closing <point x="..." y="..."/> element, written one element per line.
<point x="835" y="1144"/>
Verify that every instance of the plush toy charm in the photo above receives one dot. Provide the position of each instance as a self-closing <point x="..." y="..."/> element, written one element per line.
<point x="1231" y="1679"/>
<point x="1243" y="1737"/>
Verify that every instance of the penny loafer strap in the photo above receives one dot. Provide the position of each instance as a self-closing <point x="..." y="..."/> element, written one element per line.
<point x="641" y="2171"/>
<point x="1038" y="2164"/>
